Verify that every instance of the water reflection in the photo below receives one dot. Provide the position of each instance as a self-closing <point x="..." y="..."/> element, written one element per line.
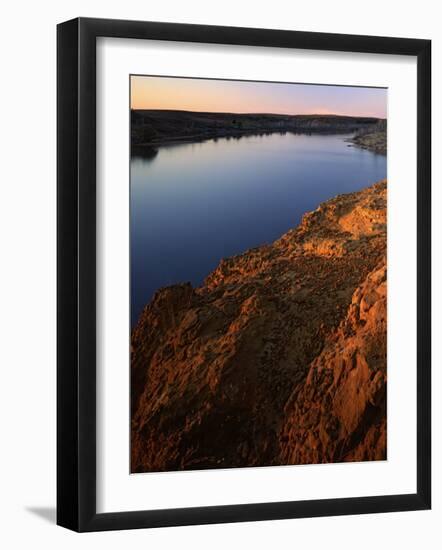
<point x="193" y="204"/>
<point x="145" y="152"/>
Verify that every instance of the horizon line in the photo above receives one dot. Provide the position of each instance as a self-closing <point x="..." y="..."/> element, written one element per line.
<point x="256" y="113"/>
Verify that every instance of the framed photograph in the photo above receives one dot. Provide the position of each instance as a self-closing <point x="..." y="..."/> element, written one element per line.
<point x="243" y="274"/>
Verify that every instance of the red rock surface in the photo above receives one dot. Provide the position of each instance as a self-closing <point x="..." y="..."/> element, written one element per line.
<point x="278" y="358"/>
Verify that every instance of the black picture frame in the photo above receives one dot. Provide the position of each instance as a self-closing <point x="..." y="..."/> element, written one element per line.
<point x="76" y="274"/>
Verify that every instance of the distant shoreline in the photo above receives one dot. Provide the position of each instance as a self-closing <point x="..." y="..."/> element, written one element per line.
<point x="154" y="145"/>
<point x="151" y="129"/>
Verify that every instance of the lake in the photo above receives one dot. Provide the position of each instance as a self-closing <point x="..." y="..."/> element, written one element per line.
<point x="193" y="204"/>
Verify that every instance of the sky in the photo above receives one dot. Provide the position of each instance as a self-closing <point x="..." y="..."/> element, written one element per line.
<point x="236" y="96"/>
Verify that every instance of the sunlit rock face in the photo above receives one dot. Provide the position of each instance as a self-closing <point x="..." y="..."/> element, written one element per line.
<point x="278" y="358"/>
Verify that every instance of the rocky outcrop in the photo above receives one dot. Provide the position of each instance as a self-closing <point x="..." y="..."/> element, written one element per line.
<point x="339" y="412"/>
<point x="373" y="138"/>
<point x="278" y="358"/>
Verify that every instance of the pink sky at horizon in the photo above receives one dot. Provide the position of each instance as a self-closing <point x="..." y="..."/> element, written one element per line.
<point x="235" y="96"/>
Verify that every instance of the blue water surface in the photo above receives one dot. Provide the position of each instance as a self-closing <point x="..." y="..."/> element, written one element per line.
<point x="193" y="204"/>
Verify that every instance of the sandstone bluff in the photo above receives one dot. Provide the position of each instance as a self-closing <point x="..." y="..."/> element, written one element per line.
<point x="278" y="358"/>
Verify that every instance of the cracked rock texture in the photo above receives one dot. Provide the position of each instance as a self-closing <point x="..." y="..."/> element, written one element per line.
<point x="278" y="358"/>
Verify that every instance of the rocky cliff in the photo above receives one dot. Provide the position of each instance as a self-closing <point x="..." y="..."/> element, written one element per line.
<point x="372" y="137"/>
<point x="278" y="358"/>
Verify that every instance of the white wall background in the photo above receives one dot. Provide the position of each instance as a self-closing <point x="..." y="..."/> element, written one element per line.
<point x="27" y="273"/>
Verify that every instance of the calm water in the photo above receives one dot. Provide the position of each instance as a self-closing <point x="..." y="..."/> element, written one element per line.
<point x="193" y="204"/>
